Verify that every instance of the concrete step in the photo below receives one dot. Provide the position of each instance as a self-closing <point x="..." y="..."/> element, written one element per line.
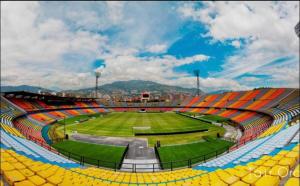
<point x="140" y="165"/>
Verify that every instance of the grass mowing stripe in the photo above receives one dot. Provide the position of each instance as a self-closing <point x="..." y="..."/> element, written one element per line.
<point x="122" y="123"/>
<point x="92" y="151"/>
<point x="157" y="120"/>
<point x="188" y="151"/>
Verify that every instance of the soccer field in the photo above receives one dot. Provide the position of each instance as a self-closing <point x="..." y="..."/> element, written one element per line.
<point x="180" y="154"/>
<point x="91" y="152"/>
<point x="126" y="124"/>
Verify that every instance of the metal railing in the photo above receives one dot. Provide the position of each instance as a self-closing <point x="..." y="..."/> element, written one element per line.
<point x="130" y="167"/>
<point x="141" y="167"/>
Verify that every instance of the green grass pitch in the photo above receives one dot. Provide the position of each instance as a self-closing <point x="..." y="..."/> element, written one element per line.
<point x="179" y="154"/>
<point x="125" y="124"/>
<point x="92" y="152"/>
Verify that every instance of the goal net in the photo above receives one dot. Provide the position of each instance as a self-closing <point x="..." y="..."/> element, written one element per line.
<point x="140" y="129"/>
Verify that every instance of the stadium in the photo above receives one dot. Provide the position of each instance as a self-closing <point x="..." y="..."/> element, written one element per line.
<point x="238" y="137"/>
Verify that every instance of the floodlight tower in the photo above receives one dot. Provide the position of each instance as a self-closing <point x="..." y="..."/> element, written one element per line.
<point x="97" y="75"/>
<point x="197" y="73"/>
<point x="297" y="29"/>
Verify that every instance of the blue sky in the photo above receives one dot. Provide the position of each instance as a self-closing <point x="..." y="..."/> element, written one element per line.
<point x="235" y="45"/>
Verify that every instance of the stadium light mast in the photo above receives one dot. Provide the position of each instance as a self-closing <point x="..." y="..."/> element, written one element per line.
<point x="65" y="127"/>
<point x="197" y="73"/>
<point x="97" y="74"/>
<point x="297" y="29"/>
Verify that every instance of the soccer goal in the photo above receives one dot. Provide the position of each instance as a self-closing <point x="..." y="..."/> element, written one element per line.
<point x="140" y="129"/>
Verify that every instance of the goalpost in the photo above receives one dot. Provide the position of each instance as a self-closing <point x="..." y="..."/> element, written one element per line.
<point x="140" y="128"/>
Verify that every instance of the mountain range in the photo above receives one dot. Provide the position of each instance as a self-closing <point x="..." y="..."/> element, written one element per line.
<point x="27" y="88"/>
<point x="123" y="87"/>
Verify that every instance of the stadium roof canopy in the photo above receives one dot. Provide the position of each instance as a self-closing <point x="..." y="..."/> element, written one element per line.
<point x="30" y="95"/>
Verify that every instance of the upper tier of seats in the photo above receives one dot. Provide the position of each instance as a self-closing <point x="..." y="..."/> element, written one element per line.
<point x="34" y="104"/>
<point x="287" y="108"/>
<point x="9" y="109"/>
<point x="241" y="107"/>
<point x="258" y="99"/>
<point x="254" y="110"/>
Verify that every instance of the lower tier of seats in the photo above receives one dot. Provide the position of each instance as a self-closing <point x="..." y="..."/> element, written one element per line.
<point x="33" y="150"/>
<point x="265" y="161"/>
<point x="11" y="130"/>
<point x="253" y="150"/>
<point x="19" y="170"/>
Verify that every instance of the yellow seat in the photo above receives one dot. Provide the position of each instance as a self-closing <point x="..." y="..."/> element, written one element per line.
<point x="19" y="165"/>
<point x="258" y="162"/>
<point x="267" y="180"/>
<point x="24" y="183"/>
<point x="278" y="170"/>
<point x="230" y="179"/>
<point x="296" y="148"/>
<point x="55" y="179"/>
<point x="250" y="167"/>
<point x="5" y="166"/>
<point x="270" y="163"/>
<point x="26" y="172"/>
<point x="251" y="178"/>
<point x="11" y="160"/>
<point x="65" y="183"/>
<point x="292" y="182"/>
<point x="265" y="157"/>
<point x="240" y="167"/>
<point x="240" y="183"/>
<point x="288" y="162"/>
<point x="296" y="171"/>
<point x="241" y="173"/>
<point x="45" y="173"/>
<point x="283" y="152"/>
<point x="218" y="183"/>
<point x="47" y="184"/>
<point x="292" y="155"/>
<point x="37" y="180"/>
<point x="277" y="157"/>
<point x="261" y="170"/>
<point x="28" y="163"/>
<point x="13" y="176"/>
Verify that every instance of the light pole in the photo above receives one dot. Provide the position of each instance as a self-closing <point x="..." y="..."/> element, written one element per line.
<point x="97" y="74"/>
<point x="297" y="29"/>
<point x="64" y="126"/>
<point x="197" y="73"/>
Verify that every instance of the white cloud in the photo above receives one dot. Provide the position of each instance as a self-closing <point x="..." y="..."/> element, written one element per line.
<point x="222" y="84"/>
<point x="208" y="84"/>
<point x="198" y="57"/>
<point x="48" y="53"/>
<point x="266" y="27"/>
<point x="158" y="48"/>
<point x="236" y="43"/>
<point x="41" y="47"/>
<point x="159" y="69"/>
<point x="115" y="11"/>
<point x="284" y="74"/>
<point x="34" y="52"/>
<point x="250" y="79"/>
<point x="155" y="68"/>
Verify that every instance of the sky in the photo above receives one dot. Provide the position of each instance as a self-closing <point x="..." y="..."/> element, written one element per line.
<point x="235" y="45"/>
